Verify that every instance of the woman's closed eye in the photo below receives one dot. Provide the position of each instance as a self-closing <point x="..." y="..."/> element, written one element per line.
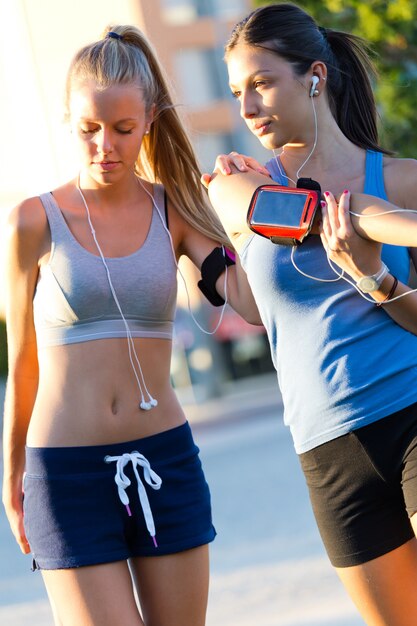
<point x="90" y="131"/>
<point x="86" y="131"/>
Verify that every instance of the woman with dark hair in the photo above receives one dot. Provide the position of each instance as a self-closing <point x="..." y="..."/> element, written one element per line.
<point x="340" y="316"/>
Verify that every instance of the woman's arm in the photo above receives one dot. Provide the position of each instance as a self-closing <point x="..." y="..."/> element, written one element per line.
<point x="359" y="257"/>
<point x="197" y="246"/>
<point x="378" y="220"/>
<point x="239" y="295"/>
<point x="25" y="236"/>
<point x="230" y="196"/>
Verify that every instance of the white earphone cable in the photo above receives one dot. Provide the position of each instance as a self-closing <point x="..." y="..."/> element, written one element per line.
<point x="321" y="280"/>
<point x="342" y="274"/>
<point x="207" y="332"/>
<point x="151" y="402"/>
<point x="277" y="157"/>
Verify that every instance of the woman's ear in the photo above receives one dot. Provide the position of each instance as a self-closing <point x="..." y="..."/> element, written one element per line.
<point x="150" y="118"/>
<point x="319" y="69"/>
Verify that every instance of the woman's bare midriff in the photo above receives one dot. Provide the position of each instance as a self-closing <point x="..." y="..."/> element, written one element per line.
<point x="88" y="394"/>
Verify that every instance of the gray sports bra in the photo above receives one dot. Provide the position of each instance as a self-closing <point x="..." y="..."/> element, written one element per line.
<point x="73" y="302"/>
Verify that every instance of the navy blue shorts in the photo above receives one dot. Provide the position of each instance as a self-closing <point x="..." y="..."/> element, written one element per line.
<point x="98" y="504"/>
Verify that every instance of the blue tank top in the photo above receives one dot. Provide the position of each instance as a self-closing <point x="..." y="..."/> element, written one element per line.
<point x="73" y="302"/>
<point x="342" y="362"/>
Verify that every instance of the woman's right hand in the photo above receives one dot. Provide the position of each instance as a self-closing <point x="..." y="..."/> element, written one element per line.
<point x="351" y="253"/>
<point x="225" y="162"/>
<point x="13" y="504"/>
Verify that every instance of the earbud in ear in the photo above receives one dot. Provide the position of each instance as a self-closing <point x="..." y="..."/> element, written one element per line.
<point x="314" y="82"/>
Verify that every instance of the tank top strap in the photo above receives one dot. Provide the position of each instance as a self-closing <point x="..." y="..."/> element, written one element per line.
<point x="276" y="170"/>
<point x="374" y="174"/>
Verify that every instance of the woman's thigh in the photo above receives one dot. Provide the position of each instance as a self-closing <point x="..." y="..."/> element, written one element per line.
<point x="173" y="589"/>
<point x="97" y="595"/>
<point x="384" y="589"/>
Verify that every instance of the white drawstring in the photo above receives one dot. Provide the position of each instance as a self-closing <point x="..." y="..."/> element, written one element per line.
<point x="122" y="482"/>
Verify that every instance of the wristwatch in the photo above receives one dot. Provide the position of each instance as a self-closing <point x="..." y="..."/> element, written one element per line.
<point x="367" y="284"/>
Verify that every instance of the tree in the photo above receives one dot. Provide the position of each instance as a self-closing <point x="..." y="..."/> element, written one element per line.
<point x="390" y="28"/>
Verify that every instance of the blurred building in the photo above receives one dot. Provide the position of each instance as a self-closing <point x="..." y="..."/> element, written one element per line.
<point x="36" y="47"/>
<point x="190" y="37"/>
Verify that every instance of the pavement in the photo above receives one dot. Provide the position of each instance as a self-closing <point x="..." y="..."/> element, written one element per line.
<point x="238" y="400"/>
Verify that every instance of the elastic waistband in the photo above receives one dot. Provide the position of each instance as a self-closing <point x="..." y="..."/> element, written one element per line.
<point x="100" y="329"/>
<point x="159" y="449"/>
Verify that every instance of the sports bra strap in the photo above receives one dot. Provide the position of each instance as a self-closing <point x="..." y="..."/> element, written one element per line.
<point x="159" y="199"/>
<point x="53" y="213"/>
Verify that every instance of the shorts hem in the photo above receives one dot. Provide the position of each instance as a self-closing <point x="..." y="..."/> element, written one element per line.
<point x="181" y="546"/>
<point x="112" y="557"/>
<point x="359" y="558"/>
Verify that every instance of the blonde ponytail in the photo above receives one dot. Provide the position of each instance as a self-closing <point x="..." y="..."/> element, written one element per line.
<point x="166" y="154"/>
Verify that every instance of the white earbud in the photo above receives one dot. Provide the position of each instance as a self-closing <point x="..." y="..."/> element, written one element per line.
<point x="314" y="82"/>
<point x="147" y="406"/>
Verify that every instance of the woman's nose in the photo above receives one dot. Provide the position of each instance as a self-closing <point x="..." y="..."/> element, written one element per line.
<point x="248" y="106"/>
<point x="104" y="142"/>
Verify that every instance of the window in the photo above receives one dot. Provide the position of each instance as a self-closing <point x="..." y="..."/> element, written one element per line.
<point x="197" y="76"/>
<point x="186" y="11"/>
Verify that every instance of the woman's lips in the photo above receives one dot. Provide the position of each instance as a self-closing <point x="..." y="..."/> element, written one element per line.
<point x="261" y="129"/>
<point x="107" y="166"/>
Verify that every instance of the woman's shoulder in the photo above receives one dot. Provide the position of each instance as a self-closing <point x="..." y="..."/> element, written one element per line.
<point x="397" y="165"/>
<point x="400" y="178"/>
<point x="26" y="233"/>
<point x="27" y="217"/>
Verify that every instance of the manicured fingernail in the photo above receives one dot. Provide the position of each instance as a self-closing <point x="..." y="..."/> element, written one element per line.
<point x="323" y="204"/>
<point x="327" y="193"/>
<point x="346" y="191"/>
<point x="242" y="168"/>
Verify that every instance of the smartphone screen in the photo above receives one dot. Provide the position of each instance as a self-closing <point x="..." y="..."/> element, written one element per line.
<point x="279" y="208"/>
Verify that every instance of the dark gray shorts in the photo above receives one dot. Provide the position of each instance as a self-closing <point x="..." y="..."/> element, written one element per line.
<point x="74" y="514"/>
<point x="363" y="488"/>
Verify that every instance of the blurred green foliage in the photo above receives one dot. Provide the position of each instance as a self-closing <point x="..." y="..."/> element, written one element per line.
<point x="391" y="29"/>
<point x="3" y="349"/>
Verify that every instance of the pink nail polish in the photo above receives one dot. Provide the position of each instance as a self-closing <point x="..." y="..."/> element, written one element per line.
<point x="327" y="193"/>
<point x="346" y="191"/>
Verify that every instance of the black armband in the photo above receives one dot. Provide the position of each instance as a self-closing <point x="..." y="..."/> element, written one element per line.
<point x="211" y="268"/>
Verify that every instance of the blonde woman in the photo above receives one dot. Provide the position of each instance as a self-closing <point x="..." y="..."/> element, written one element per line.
<point x="115" y="499"/>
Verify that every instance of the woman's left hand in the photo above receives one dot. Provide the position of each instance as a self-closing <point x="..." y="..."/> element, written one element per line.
<point x="241" y="162"/>
<point x="356" y="256"/>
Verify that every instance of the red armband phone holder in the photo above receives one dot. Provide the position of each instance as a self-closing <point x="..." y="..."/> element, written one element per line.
<point x="284" y="215"/>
